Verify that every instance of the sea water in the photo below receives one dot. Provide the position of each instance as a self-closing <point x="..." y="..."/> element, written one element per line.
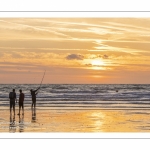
<point x="81" y="96"/>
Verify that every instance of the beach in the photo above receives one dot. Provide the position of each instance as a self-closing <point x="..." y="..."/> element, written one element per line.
<point x="78" y="109"/>
<point x="75" y="121"/>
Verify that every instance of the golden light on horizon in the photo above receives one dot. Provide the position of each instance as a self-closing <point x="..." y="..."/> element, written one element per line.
<point x="97" y="62"/>
<point x="70" y="50"/>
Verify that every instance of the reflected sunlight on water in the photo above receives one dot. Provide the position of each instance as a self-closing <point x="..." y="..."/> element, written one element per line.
<point x="76" y="121"/>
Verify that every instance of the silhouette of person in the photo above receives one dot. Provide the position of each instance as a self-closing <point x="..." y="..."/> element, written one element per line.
<point x="12" y="97"/>
<point x="33" y="94"/>
<point x="12" y="126"/>
<point x="21" y="102"/>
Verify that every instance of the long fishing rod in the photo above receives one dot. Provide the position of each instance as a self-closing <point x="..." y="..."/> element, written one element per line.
<point x="42" y="79"/>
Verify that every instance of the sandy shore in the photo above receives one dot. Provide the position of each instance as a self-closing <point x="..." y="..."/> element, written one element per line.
<point x="59" y="120"/>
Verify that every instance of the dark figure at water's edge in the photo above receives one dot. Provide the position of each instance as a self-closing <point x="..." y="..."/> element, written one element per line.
<point x="12" y="97"/>
<point x="33" y="94"/>
<point x="21" y="100"/>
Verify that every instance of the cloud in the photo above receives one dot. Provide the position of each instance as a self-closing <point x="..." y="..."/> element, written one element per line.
<point x="92" y="56"/>
<point x="105" y="57"/>
<point x="75" y="56"/>
<point x="102" y="56"/>
<point x="89" y="65"/>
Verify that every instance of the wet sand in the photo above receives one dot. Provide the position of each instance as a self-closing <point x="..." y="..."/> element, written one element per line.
<point x="59" y="120"/>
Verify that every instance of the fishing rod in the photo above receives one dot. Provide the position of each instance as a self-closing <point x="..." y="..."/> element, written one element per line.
<point x="42" y="79"/>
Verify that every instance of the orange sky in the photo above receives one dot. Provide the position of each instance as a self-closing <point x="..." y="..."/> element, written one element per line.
<point x="75" y="50"/>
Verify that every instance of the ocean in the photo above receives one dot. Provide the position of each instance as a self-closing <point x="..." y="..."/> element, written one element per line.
<point x="82" y="96"/>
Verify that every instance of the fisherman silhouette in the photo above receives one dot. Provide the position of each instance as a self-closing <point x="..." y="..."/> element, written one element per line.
<point x="12" y="97"/>
<point x="21" y="101"/>
<point x="33" y="94"/>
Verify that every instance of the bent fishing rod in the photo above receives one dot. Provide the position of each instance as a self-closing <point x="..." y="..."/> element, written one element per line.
<point x="42" y="79"/>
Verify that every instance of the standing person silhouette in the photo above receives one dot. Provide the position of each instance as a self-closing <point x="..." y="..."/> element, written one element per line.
<point x="21" y="100"/>
<point x="33" y="94"/>
<point x="12" y="97"/>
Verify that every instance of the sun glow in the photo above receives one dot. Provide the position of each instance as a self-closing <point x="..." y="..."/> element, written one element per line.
<point x="97" y="62"/>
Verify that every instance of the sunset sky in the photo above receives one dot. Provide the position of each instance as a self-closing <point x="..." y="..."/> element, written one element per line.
<point x="75" y="50"/>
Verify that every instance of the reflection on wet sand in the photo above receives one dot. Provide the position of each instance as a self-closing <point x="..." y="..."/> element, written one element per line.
<point x="21" y="123"/>
<point x="12" y="125"/>
<point x="77" y="121"/>
<point x="33" y="115"/>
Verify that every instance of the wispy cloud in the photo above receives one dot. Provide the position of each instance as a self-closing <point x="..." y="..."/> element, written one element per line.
<point x="70" y="44"/>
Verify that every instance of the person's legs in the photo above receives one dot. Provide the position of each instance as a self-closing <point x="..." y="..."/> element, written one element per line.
<point x="20" y="106"/>
<point x="14" y="107"/>
<point x="19" y="109"/>
<point x="10" y="106"/>
<point x="34" y="104"/>
<point x="22" y="109"/>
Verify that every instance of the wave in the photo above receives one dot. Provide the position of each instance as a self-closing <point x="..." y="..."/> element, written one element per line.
<point x="90" y="95"/>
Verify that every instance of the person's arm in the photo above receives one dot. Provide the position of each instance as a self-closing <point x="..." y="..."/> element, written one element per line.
<point x="36" y="93"/>
<point x="37" y="89"/>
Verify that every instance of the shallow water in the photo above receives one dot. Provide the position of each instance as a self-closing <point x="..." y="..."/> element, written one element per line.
<point x="81" y="96"/>
<point x="76" y="121"/>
